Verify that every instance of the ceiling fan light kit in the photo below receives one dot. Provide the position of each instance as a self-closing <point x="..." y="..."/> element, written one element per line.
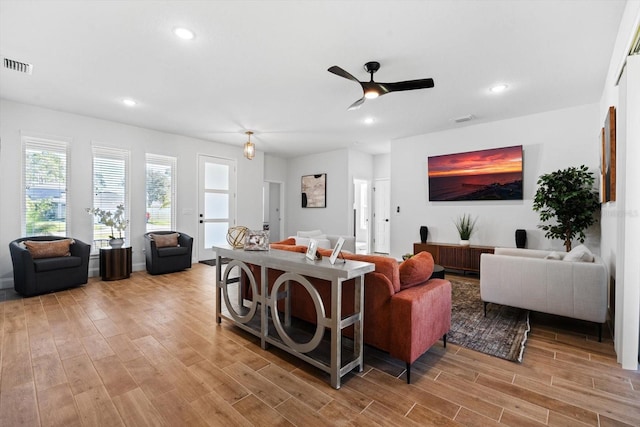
<point x="373" y="89"/>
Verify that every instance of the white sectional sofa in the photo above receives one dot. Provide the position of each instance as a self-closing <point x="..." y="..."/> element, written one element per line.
<point x="524" y="278"/>
<point x="326" y="241"/>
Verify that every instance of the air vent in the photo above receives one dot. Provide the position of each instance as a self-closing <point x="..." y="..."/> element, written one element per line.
<point x="14" y="65"/>
<point x="463" y="118"/>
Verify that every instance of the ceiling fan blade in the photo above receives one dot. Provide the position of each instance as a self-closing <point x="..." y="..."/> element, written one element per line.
<point x="356" y="104"/>
<point x="408" y="85"/>
<point x="342" y="73"/>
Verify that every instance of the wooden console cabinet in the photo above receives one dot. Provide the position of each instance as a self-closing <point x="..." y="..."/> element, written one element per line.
<point x="454" y="257"/>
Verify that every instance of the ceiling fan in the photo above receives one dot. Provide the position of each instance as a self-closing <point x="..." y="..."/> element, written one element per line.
<point x="373" y="89"/>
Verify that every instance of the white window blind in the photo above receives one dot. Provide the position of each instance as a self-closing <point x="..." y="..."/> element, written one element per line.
<point x="161" y="192"/>
<point x="110" y="189"/>
<point x="44" y="198"/>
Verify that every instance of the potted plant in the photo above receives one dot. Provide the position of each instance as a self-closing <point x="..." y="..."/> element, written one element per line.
<point x="115" y="221"/>
<point x="568" y="199"/>
<point x="465" y="226"/>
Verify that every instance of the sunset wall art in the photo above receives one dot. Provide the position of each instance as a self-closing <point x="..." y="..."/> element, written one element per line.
<point x="494" y="174"/>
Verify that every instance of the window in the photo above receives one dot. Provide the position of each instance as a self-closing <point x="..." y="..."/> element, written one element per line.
<point x="110" y="189"/>
<point x="44" y="200"/>
<point x="161" y="192"/>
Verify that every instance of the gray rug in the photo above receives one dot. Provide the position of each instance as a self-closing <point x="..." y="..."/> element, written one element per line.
<point x="502" y="333"/>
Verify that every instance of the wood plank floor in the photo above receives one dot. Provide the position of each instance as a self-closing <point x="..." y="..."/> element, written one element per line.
<point x="147" y="351"/>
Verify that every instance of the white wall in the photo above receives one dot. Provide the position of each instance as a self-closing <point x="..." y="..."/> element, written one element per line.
<point x="551" y="141"/>
<point x="381" y="166"/>
<point x="275" y="168"/>
<point x="620" y="217"/>
<point x="334" y="219"/>
<point x="83" y="132"/>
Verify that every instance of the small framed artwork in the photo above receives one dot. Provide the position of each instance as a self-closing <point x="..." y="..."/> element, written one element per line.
<point x="312" y="249"/>
<point x="257" y="240"/>
<point x="336" y="251"/>
<point x="314" y="191"/>
<point x="609" y="157"/>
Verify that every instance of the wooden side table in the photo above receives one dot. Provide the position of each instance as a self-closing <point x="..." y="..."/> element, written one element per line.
<point x="115" y="263"/>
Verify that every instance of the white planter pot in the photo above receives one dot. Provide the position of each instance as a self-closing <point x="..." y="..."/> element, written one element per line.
<point x="464" y="243"/>
<point x="116" y="243"/>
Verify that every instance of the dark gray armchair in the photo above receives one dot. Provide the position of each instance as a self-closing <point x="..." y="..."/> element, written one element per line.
<point x="41" y="275"/>
<point x="167" y="259"/>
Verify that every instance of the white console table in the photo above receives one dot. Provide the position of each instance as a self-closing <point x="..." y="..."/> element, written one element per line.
<point x="256" y="318"/>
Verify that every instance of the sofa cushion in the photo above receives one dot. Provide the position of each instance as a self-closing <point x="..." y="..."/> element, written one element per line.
<point x="49" y="248"/>
<point x="311" y="233"/>
<point x="416" y="270"/>
<point x="165" y="240"/>
<point x="579" y="254"/>
<point x="56" y="263"/>
<point x="288" y="241"/>
<point x="172" y="251"/>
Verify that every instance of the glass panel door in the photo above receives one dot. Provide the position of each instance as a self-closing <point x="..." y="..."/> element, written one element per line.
<point x="217" y="203"/>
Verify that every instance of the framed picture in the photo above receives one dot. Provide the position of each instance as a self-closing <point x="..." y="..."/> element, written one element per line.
<point x="257" y="241"/>
<point x="336" y="251"/>
<point x="314" y="191"/>
<point x="311" y="249"/>
<point x="609" y="157"/>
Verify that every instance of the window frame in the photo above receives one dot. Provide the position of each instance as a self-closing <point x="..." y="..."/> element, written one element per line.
<point x="52" y="144"/>
<point x="114" y="154"/>
<point x="172" y="163"/>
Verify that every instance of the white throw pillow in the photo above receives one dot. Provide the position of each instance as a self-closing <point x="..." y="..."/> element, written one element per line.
<point x="324" y="243"/>
<point x="302" y="241"/>
<point x="312" y="233"/>
<point x="553" y="255"/>
<point x="579" y="254"/>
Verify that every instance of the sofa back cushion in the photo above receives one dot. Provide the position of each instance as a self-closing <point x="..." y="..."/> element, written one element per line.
<point x="310" y="233"/>
<point x="416" y="270"/>
<point x="48" y="249"/>
<point x="384" y="265"/>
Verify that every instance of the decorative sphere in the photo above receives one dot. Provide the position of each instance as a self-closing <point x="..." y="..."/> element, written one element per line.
<point x="236" y="236"/>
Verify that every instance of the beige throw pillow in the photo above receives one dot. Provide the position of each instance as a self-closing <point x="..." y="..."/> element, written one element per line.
<point x="165" y="240"/>
<point x="48" y="249"/>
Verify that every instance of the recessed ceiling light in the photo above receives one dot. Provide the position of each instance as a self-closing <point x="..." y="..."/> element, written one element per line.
<point x="184" y="33"/>
<point x="369" y="120"/>
<point x="129" y="102"/>
<point x="498" y="88"/>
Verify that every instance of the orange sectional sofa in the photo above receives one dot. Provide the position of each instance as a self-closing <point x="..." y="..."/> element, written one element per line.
<point x="405" y="312"/>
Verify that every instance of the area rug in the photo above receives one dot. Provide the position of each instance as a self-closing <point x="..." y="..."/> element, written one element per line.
<point x="502" y="333"/>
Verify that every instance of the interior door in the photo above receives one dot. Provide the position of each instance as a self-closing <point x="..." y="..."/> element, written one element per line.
<point x="382" y="215"/>
<point x="217" y="203"/>
<point x="361" y="220"/>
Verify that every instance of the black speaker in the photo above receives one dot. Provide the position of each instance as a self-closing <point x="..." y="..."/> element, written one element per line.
<point x="424" y="232"/>
<point x="521" y="238"/>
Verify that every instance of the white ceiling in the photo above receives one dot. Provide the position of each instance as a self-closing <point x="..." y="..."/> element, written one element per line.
<point x="262" y="65"/>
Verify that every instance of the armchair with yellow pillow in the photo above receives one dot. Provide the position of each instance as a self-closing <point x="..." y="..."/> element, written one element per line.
<point x="167" y="251"/>
<point x="44" y="264"/>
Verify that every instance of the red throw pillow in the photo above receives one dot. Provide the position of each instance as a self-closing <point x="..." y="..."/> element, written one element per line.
<point x="416" y="270"/>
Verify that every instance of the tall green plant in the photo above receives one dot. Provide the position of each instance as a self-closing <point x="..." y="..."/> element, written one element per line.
<point x="567" y="199"/>
<point x="465" y="226"/>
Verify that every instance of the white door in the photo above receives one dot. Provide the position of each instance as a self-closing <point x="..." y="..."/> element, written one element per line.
<point x="217" y="203"/>
<point x="382" y="215"/>
<point x="361" y="220"/>
<point x="274" y="212"/>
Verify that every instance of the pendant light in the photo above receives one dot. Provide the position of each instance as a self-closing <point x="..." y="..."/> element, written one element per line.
<point x="249" y="147"/>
